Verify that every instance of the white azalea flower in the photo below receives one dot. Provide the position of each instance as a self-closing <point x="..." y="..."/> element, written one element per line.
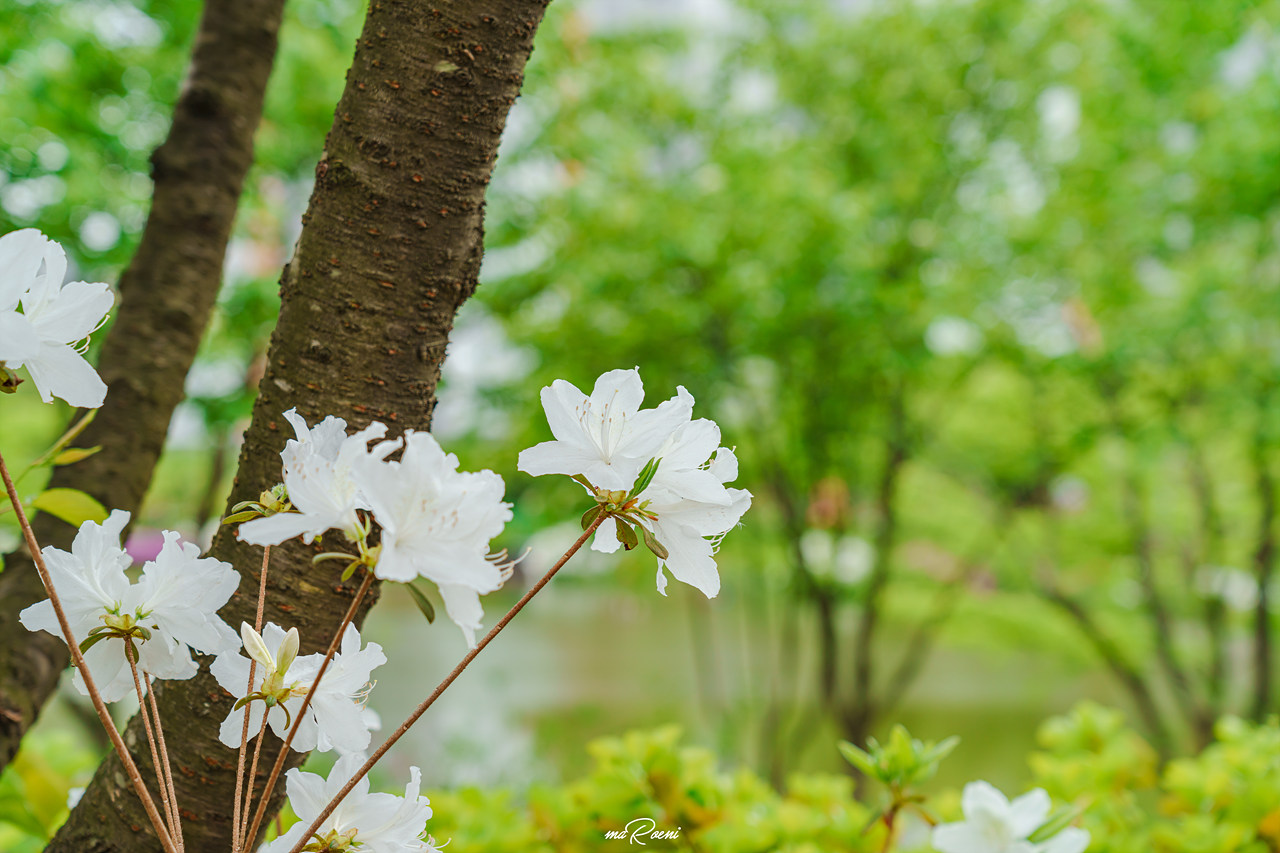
<point x="336" y="717"/>
<point x="54" y="317"/>
<point x="436" y="523"/>
<point x="176" y="600"/>
<point x="605" y="437"/>
<point x="371" y="823"/>
<point x="992" y="824"/>
<point x="687" y="507"/>
<point x="319" y="468"/>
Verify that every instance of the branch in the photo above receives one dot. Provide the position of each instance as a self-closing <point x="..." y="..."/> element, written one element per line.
<point x="1263" y="561"/>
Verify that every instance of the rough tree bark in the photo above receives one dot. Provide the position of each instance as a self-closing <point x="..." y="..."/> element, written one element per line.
<point x="390" y="249"/>
<point x="166" y="297"/>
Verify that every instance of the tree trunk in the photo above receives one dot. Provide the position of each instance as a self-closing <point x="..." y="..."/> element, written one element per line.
<point x="166" y="297"/>
<point x="390" y="249"/>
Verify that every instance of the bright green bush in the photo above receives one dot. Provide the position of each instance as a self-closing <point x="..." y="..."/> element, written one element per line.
<point x="1224" y="800"/>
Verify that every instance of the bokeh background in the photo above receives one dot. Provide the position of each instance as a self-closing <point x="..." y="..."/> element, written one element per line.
<point x="985" y="294"/>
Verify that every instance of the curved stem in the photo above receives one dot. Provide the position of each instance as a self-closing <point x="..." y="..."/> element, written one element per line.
<point x="131" y="769"/>
<point x="168" y="771"/>
<point x="306" y="703"/>
<point x="236" y="817"/>
<point x="449" y="679"/>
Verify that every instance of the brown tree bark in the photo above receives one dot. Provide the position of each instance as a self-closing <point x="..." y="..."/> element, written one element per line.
<point x="166" y="298"/>
<point x="390" y="249"/>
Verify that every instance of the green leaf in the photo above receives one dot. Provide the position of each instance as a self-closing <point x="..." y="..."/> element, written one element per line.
<point x="73" y="455"/>
<point x="646" y="477"/>
<point x="92" y="640"/>
<point x="71" y="505"/>
<point x="330" y="555"/>
<point x="350" y="570"/>
<point x="589" y="517"/>
<point x="424" y="603"/>
<point x="653" y="544"/>
<point x="859" y="759"/>
<point x="627" y="534"/>
<point x="238" y="517"/>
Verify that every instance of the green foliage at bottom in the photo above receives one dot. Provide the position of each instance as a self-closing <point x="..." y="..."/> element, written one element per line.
<point x="650" y="787"/>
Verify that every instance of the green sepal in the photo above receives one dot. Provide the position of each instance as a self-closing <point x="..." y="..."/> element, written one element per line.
<point x="144" y="633"/>
<point x="589" y="517"/>
<point x="243" y="505"/>
<point x="653" y="544"/>
<point x="245" y="701"/>
<point x="646" y="477"/>
<point x="330" y="555"/>
<point x="350" y="570"/>
<point x="93" y="640"/>
<point x="578" y="478"/>
<point x="238" y="517"/>
<point x="627" y="534"/>
<point x="424" y="603"/>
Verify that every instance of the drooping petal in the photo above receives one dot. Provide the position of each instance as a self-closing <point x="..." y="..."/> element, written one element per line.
<point x="463" y="606"/>
<point x="59" y="371"/>
<point x="275" y="529"/>
<point x="690" y="556"/>
<point x="606" y="539"/>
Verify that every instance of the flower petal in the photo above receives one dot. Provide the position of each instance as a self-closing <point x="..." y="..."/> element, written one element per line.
<point x="60" y="371"/>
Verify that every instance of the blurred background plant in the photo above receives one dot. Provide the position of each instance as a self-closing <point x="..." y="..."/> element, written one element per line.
<point x="985" y="293"/>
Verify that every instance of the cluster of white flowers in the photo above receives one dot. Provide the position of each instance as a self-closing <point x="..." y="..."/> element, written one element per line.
<point x="169" y="612"/>
<point x="606" y="441"/>
<point x="42" y="337"/>
<point x="436" y="521"/>
<point x="992" y="824"/>
<point x="656" y="471"/>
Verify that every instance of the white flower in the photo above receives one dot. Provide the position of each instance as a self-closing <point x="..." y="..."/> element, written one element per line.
<point x="319" y="468"/>
<point x="604" y="437"/>
<point x="371" y="823"/>
<point x="176" y="600"/>
<point x="687" y="507"/>
<point x="335" y="718"/>
<point x="54" y="317"/>
<point x="992" y="824"/>
<point x="436" y="523"/>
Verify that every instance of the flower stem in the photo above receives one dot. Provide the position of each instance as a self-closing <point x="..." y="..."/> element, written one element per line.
<point x="166" y="795"/>
<point x="443" y="685"/>
<point x="243" y="840"/>
<point x="168" y="770"/>
<point x="131" y="769"/>
<point x="306" y="703"/>
<point x="236" y="828"/>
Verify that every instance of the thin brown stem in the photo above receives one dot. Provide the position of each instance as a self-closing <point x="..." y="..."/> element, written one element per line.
<point x="242" y="840"/>
<point x="444" y="685"/>
<point x="306" y="703"/>
<point x="237" y="817"/>
<point x="168" y="770"/>
<point x="131" y="655"/>
<point x="131" y="769"/>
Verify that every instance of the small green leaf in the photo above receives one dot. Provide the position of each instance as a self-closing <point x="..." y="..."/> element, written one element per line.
<point x="245" y="701"/>
<point x="350" y="570"/>
<point x="71" y="505"/>
<point x="653" y="544"/>
<point x="859" y="759"/>
<point x="93" y="640"/>
<point x="72" y="455"/>
<point x="589" y="517"/>
<point x="646" y="477"/>
<point x="627" y="534"/>
<point x="424" y="603"/>
<point x="238" y="517"/>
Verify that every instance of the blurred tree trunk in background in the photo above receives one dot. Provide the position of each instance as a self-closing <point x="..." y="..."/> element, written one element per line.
<point x="389" y="251"/>
<point x="166" y="298"/>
